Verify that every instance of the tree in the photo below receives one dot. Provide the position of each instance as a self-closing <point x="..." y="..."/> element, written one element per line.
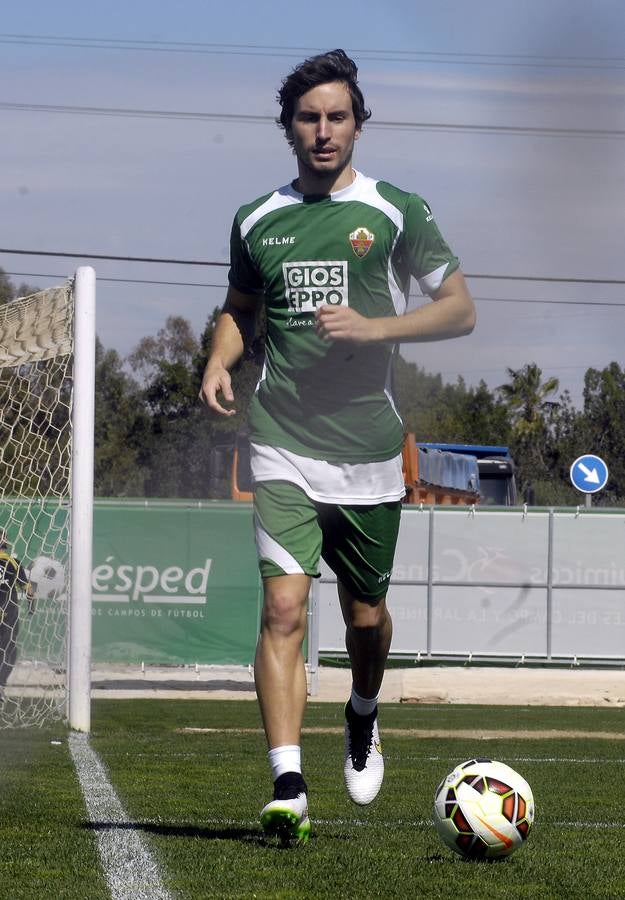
<point x="448" y="413"/>
<point x="121" y="429"/>
<point x="526" y="397"/>
<point x="166" y="365"/>
<point x="6" y="288"/>
<point x="484" y="417"/>
<point x="604" y="426"/>
<point x="418" y="394"/>
<point x="175" y="344"/>
<point x="564" y="443"/>
<point x="8" y="291"/>
<point x="185" y="441"/>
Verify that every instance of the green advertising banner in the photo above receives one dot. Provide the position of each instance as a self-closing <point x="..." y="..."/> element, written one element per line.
<point x="174" y="583"/>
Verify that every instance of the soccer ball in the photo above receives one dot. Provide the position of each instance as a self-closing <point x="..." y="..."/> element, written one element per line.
<point x="47" y="577"/>
<point x="483" y="809"/>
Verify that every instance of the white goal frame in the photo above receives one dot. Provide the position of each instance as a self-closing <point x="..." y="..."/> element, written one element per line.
<point x="47" y="419"/>
<point x="81" y="545"/>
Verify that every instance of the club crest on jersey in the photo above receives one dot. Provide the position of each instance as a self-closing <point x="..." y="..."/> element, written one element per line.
<point x="361" y="240"/>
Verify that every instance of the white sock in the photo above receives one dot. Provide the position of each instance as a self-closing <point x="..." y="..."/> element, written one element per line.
<point x="285" y="759"/>
<point x="362" y="706"/>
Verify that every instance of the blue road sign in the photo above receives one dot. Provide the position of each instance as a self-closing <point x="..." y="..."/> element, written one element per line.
<point x="589" y="473"/>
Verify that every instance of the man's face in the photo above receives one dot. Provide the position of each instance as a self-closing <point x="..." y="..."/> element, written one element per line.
<point x="323" y="131"/>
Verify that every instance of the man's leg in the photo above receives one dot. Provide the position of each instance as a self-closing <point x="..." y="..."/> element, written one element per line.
<point x="288" y="540"/>
<point x="279" y="671"/>
<point x="280" y="679"/>
<point x="359" y="544"/>
<point x="5" y="656"/>
<point x="9" y="626"/>
<point x="368" y="636"/>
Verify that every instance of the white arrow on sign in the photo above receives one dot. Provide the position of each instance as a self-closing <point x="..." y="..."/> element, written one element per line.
<point x="592" y="475"/>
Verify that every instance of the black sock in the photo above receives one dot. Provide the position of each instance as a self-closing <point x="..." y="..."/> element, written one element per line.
<point x="288" y="785"/>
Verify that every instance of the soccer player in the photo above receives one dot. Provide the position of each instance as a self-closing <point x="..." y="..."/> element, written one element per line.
<point x="331" y="256"/>
<point x="12" y="576"/>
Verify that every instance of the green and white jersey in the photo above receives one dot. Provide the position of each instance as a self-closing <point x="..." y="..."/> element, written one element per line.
<point x="357" y="247"/>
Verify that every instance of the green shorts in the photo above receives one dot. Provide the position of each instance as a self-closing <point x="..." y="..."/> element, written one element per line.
<point x="357" y="542"/>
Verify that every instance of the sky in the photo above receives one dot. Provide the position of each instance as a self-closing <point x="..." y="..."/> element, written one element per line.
<point x="507" y="117"/>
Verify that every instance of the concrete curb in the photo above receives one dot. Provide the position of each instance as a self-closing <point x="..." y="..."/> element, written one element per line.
<point x="431" y="684"/>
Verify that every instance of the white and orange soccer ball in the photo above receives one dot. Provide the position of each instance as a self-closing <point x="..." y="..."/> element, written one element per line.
<point x="483" y="809"/>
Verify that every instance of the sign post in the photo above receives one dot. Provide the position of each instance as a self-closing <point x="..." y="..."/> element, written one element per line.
<point x="589" y="474"/>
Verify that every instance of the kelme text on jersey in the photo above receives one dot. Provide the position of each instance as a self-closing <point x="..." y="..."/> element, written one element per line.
<point x="312" y="283"/>
<point x="278" y="241"/>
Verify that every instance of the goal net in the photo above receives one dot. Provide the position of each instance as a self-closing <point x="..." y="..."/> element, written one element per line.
<point x="37" y="429"/>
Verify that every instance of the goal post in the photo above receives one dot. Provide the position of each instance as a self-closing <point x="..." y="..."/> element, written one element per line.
<point x="47" y="397"/>
<point x="81" y="544"/>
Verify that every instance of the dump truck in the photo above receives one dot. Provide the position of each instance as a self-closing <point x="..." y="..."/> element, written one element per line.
<point x="495" y="469"/>
<point x="438" y="477"/>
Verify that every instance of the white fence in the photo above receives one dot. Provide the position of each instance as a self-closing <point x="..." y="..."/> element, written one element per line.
<point x="507" y="585"/>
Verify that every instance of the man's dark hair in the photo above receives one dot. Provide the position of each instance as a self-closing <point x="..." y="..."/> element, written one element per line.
<point x="332" y="66"/>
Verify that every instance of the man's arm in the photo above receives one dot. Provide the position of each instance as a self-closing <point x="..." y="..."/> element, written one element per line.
<point x="30" y="596"/>
<point x="23" y="578"/>
<point x="451" y="315"/>
<point x="233" y="332"/>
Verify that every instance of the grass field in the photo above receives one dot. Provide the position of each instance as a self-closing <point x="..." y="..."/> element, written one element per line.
<point x="194" y="797"/>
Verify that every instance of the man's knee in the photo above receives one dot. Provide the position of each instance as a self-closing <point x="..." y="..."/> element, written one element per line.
<point x="284" y="607"/>
<point x="364" y="614"/>
<point x="371" y="622"/>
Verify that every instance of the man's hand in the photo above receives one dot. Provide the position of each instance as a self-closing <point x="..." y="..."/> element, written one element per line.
<point x="217" y="379"/>
<point x="234" y="329"/>
<point x="451" y="315"/>
<point x="341" y="323"/>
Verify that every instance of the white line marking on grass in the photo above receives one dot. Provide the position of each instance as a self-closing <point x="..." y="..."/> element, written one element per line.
<point x="421" y="823"/>
<point x="511" y="759"/>
<point x="600" y="825"/>
<point x="566" y="759"/>
<point x="493" y="734"/>
<point x="130" y="870"/>
<point x="403" y="823"/>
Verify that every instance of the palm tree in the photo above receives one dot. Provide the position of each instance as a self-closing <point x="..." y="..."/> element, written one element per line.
<point x="526" y="397"/>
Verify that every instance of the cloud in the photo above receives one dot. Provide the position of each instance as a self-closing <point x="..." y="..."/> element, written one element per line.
<point x="463" y="81"/>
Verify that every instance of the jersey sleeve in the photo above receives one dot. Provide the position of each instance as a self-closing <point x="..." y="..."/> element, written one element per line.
<point x="429" y="257"/>
<point x="13" y="573"/>
<point x="243" y="274"/>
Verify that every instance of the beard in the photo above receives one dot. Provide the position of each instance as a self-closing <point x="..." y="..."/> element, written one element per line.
<point x="320" y="170"/>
